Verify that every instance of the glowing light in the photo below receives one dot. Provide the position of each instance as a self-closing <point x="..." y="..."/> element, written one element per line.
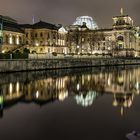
<point x="17" y="87"/>
<point x="115" y="103"/>
<point x="3" y="51"/>
<point x="78" y="87"/>
<point x="87" y="100"/>
<point x="10" y="40"/>
<point x="1" y="100"/>
<point x="10" y="88"/>
<point x="122" y="111"/>
<point x="17" y="41"/>
<point x="37" y="44"/>
<point x="37" y="94"/>
<point x="137" y="85"/>
<point x="109" y="82"/>
<point x="63" y="96"/>
<point x="65" y="50"/>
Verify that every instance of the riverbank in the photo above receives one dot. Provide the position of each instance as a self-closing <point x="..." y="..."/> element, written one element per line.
<point x="14" y="65"/>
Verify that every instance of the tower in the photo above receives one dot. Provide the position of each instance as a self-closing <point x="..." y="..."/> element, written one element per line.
<point x="122" y="21"/>
<point x="33" y="19"/>
<point x="122" y="12"/>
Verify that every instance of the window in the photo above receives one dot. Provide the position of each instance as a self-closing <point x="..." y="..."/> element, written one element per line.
<point x="26" y="34"/>
<point x="41" y="34"/>
<point x="120" y="38"/>
<point x="6" y="39"/>
<point x="20" y="40"/>
<point x="36" y="35"/>
<point x="14" y="40"/>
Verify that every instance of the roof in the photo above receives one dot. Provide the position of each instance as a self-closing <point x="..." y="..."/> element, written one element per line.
<point x="12" y="27"/>
<point x="40" y="25"/>
<point x="10" y="24"/>
<point x="107" y="29"/>
<point x="121" y="16"/>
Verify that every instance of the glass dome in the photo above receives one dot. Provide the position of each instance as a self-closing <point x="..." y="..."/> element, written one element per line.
<point x="90" y="23"/>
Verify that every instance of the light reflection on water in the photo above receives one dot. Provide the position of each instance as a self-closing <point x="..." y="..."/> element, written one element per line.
<point x="122" y="85"/>
<point x="85" y="87"/>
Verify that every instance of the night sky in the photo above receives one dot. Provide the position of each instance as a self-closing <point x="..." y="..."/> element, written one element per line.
<point x="65" y="11"/>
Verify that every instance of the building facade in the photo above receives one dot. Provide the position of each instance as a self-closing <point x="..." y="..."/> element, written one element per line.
<point x="11" y="35"/>
<point x="43" y="37"/>
<point x="121" y="39"/>
<point x="83" y="37"/>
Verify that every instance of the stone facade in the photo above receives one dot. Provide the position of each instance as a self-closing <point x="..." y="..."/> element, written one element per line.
<point x="11" y="35"/>
<point x="44" y="37"/>
<point x="122" y="39"/>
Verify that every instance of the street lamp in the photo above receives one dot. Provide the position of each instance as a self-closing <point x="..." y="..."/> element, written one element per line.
<point x="78" y="50"/>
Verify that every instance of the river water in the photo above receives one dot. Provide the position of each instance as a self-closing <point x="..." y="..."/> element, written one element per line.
<point x="70" y="104"/>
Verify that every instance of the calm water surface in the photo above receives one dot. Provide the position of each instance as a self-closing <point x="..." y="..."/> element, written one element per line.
<point x="74" y="104"/>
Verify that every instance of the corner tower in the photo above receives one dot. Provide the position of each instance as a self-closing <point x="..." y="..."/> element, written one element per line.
<point x="122" y="21"/>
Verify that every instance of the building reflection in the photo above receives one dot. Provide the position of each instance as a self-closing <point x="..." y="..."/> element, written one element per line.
<point x="122" y="85"/>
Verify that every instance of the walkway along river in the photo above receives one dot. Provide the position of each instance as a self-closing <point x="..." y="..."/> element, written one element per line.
<point x="43" y="64"/>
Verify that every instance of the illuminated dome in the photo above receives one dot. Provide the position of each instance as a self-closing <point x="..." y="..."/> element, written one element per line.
<point x="90" y="23"/>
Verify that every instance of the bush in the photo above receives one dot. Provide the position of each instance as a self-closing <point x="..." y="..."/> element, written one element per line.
<point x="54" y="53"/>
<point x="96" y="54"/>
<point x="33" y="52"/>
<point x="19" y="56"/>
<point x="89" y="54"/>
<point x="26" y="50"/>
<point x="71" y="54"/>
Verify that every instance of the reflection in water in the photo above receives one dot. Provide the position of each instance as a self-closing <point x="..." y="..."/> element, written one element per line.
<point x="87" y="99"/>
<point x="84" y="86"/>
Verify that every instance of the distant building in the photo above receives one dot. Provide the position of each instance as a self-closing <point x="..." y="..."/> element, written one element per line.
<point x="82" y="37"/>
<point x="121" y="39"/>
<point x="43" y="37"/>
<point x="11" y="35"/>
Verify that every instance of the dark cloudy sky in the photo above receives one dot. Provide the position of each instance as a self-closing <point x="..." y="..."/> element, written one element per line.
<point x="65" y="11"/>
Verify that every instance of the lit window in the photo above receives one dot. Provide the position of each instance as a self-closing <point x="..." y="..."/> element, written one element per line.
<point x="10" y="40"/>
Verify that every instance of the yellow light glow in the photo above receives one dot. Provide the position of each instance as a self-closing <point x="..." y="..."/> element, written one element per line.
<point x="10" y="40"/>
<point x="17" y="87"/>
<point x="10" y="88"/>
<point x="1" y="100"/>
<point x="63" y="96"/>
<point x="122" y="111"/>
<point x="37" y="44"/>
<point x="17" y="41"/>
<point x="37" y="94"/>
<point x="3" y="51"/>
<point x="115" y="103"/>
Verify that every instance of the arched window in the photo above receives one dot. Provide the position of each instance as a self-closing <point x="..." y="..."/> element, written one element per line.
<point x="20" y="40"/>
<point x="14" y="40"/>
<point x="6" y="39"/>
<point x="120" y="38"/>
<point x="41" y="34"/>
<point x="36" y="35"/>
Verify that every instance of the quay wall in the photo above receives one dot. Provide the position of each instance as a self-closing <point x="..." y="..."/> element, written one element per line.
<point x="44" y="64"/>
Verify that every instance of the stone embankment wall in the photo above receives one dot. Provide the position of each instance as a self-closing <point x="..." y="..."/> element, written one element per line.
<point x="42" y="64"/>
